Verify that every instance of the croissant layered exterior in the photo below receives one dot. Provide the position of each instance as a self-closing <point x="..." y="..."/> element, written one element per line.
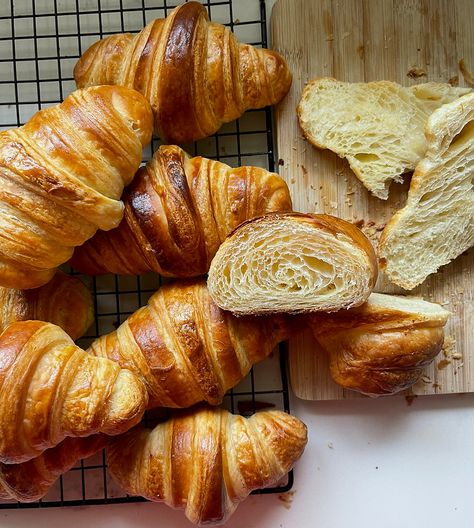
<point x="61" y="177"/>
<point x="193" y="72"/>
<point x="207" y="461"/>
<point x="178" y="210"/>
<point x="185" y="349"/>
<point x="51" y="389"/>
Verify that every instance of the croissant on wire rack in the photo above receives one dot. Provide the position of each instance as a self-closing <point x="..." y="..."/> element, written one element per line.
<point x="51" y="389"/>
<point x="185" y="349"/>
<point x="64" y="301"/>
<point x="61" y="178"/>
<point x="31" y="480"/>
<point x="207" y="460"/>
<point x="193" y="72"/>
<point x="178" y="210"/>
<point x="382" y="346"/>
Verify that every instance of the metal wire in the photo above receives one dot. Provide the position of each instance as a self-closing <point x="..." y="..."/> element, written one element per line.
<point x="40" y="41"/>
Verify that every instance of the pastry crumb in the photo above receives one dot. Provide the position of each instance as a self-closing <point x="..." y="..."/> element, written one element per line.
<point x="449" y="346"/>
<point x="287" y="498"/>
<point x="410" y="398"/>
<point x="468" y="78"/>
<point x="416" y="72"/>
<point x="454" y="80"/>
<point x="442" y="364"/>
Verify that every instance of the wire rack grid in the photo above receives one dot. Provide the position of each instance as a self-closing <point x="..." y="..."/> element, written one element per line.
<point x="40" y="42"/>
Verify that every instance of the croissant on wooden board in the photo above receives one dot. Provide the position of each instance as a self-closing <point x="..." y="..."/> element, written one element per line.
<point x="194" y="72"/>
<point x="64" y="301"/>
<point x="51" y="389"/>
<point x="207" y="461"/>
<point x="185" y="349"/>
<point x="382" y="346"/>
<point x="178" y="210"/>
<point x="293" y="262"/>
<point x="61" y="178"/>
<point x="31" y="480"/>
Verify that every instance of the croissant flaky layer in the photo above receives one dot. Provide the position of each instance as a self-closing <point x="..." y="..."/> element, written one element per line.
<point x="194" y="72"/>
<point x="206" y="461"/>
<point x="178" y="210"/>
<point x="64" y="301"/>
<point x="61" y="178"/>
<point x="186" y="349"/>
<point x="382" y="346"/>
<point x="51" y="389"/>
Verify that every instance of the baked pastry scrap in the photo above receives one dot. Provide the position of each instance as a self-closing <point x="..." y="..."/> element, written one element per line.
<point x="377" y="126"/>
<point x="51" y="389"/>
<point x="31" y="481"/>
<point x="186" y="350"/>
<point x="64" y="301"/>
<point x="178" y="210"/>
<point x="61" y="178"/>
<point x="194" y="72"/>
<point x="437" y="223"/>
<point x="383" y="346"/>
<point x="293" y="263"/>
<point x="207" y="461"/>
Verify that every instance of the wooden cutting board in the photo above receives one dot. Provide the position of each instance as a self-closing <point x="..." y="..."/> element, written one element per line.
<point x="408" y="41"/>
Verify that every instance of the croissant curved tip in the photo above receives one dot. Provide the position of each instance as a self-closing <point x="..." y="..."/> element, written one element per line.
<point x="278" y="74"/>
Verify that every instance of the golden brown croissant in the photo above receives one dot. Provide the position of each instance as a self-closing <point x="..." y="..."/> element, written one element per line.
<point x="382" y="346"/>
<point x="64" y="301"/>
<point x="194" y="72"/>
<point x="51" y="389"/>
<point x="178" y="210"/>
<point x="206" y="461"/>
<point x="61" y="178"/>
<point x="185" y="349"/>
<point x="30" y="481"/>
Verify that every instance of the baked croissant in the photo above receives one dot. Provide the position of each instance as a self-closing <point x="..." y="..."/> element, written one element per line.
<point x="51" y="389"/>
<point x="178" y="210"/>
<point x="293" y="263"/>
<point x="382" y="346"/>
<point x="30" y="481"/>
<point x="185" y="349"/>
<point x="194" y="72"/>
<point x="61" y="178"/>
<point x="206" y="461"/>
<point x="64" y="301"/>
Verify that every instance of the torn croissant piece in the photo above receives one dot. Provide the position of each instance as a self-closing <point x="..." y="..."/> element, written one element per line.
<point x="185" y="349"/>
<point x="194" y="72"/>
<point x="64" y="301"/>
<point x="382" y="346"/>
<point x="207" y="461"/>
<point x="31" y="481"/>
<point x="51" y="389"/>
<point x="61" y="178"/>
<point x="293" y="263"/>
<point x="178" y="210"/>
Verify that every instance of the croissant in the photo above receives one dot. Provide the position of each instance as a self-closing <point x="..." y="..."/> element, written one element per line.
<point x="193" y="72"/>
<point x="61" y="177"/>
<point x="206" y="461"/>
<point x="178" y="210"/>
<point x="64" y="301"/>
<point x="185" y="349"/>
<point x="292" y="262"/>
<point x="30" y="481"/>
<point x="51" y="389"/>
<point x="382" y="346"/>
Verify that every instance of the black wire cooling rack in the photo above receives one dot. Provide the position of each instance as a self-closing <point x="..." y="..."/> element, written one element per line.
<point x="40" y="41"/>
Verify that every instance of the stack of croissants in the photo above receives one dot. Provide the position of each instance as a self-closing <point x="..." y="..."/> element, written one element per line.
<point x="271" y="273"/>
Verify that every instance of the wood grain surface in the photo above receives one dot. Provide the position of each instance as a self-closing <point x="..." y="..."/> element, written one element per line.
<point x="407" y="41"/>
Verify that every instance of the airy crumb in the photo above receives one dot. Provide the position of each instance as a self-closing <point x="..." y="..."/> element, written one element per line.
<point x="415" y="72"/>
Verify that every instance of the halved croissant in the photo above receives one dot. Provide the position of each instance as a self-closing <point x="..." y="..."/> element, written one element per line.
<point x="61" y="178"/>
<point x="51" y="389"/>
<point x="64" y="301"/>
<point x="207" y="461"/>
<point x="382" y="346"/>
<point x="194" y="72"/>
<point x="178" y="210"/>
<point x="293" y="263"/>
<point x="30" y="481"/>
<point x="185" y="349"/>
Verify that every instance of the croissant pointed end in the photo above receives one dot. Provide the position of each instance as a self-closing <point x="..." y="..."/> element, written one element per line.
<point x="278" y="75"/>
<point x="84" y="66"/>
